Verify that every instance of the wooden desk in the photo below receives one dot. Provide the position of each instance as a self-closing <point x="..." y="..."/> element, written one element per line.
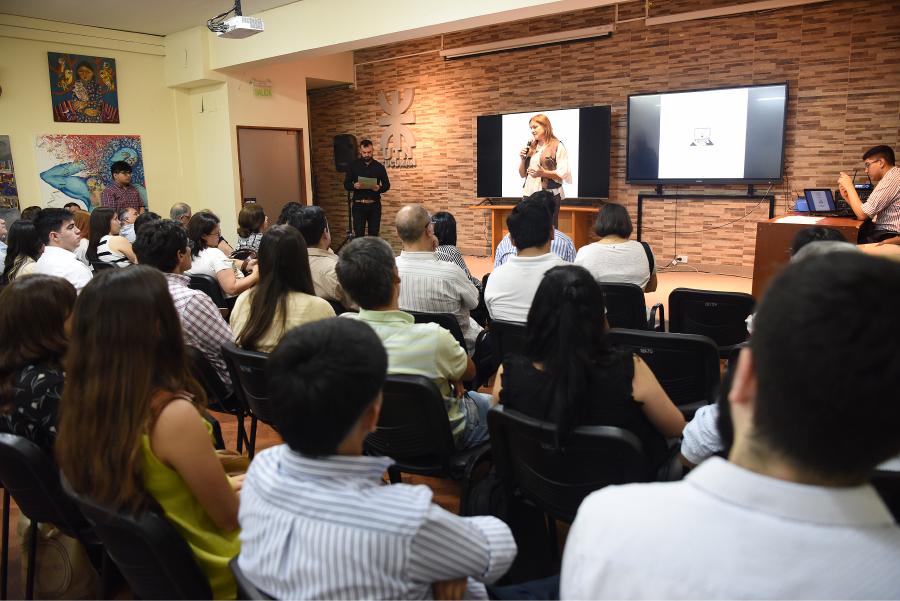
<point x="773" y="245"/>
<point x="576" y="222"/>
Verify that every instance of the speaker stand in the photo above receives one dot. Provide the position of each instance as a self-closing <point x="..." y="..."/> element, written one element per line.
<point x="349" y="235"/>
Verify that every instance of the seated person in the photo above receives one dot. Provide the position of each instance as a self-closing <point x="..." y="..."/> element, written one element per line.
<point x="142" y="220"/>
<point x="570" y="376"/>
<point x="130" y="423"/>
<point x="615" y="258"/>
<point x="163" y="244"/>
<point x="367" y="271"/>
<point x="561" y="244"/>
<point x="883" y="204"/>
<point x="205" y="234"/>
<point x="289" y="208"/>
<point x="815" y="234"/>
<point x="83" y="223"/>
<point x="31" y="213"/>
<point x="794" y="490"/>
<point x="127" y="217"/>
<point x="57" y="231"/>
<point x="106" y="245"/>
<point x="24" y="250"/>
<point x="180" y="212"/>
<point x="284" y="297"/>
<point x="351" y="536"/>
<point x="3" y="247"/>
<point x="33" y="312"/>
<point x="445" y="232"/>
<point x="252" y="222"/>
<point x="312" y="223"/>
<point x="511" y="287"/>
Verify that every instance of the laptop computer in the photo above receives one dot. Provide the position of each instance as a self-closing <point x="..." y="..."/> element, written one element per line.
<point x="820" y="201"/>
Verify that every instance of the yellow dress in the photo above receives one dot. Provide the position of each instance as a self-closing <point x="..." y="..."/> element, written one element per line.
<point x="212" y="547"/>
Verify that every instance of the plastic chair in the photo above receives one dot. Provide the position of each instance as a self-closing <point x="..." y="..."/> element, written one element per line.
<point x="248" y="374"/>
<point x="686" y="365"/>
<point x="219" y="397"/>
<point x="414" y="430"/>
<point x="718" y="315"/>
<point x="246" y="590"/>
<point x="210" y="285"/>
<point x="625" y="308"/>
<point x="149" y="552"/>
<point x="445" y="320"/>
<point x="509" y="337"/>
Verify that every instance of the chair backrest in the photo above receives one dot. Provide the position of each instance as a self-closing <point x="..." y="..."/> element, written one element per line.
<point x="248" y="373"/>
<point x="508" y="336"/>
<point x="209" y="285"/>
<point x="101" y="265"/>
<point x="625" y="305"/>
<point x="338" y="307"/>
<point x="413" y="426"/>
<point x="686" y="365"/>
<point x="148" y="551"/>
<point x="718" y="315"/>
<point x="445" y="320"/>
<point x="558" y="479"/>
<point x="207" y="376"/>
<point x="246" y="590"/>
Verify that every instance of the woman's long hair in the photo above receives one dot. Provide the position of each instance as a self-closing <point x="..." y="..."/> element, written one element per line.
<point x="23" y="240"/>
<point x="83" y="223"/>
<point x="100" y="219"/>
<point x="566" y="333"/>
<point x="283" y="268"/>
<point x="548" y="131"/>
<point x="126" y="345"/>
<point x="33" y="313"/>
<point x="201" y="224"/>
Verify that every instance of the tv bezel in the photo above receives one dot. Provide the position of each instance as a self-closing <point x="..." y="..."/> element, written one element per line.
<point x="693" y="180"/>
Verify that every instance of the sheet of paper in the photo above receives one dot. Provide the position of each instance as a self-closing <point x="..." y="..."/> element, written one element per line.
<point x="808" y="220"/>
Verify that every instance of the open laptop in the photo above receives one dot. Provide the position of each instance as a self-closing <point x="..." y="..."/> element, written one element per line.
<point x="820" y="201"/>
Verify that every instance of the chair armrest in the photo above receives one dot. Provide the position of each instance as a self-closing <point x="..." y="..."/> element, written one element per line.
<point x="651" y="321"/>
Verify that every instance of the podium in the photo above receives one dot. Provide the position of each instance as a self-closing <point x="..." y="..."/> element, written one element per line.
<point x="576" y="222"/>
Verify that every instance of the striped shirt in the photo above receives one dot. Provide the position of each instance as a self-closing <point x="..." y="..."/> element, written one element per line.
<point x="561" y="245"/>
<point x="451" y="254"/>
<point x="883" y="204"/>
<point x="328" y="528"/>
<point x="106" y="255"/>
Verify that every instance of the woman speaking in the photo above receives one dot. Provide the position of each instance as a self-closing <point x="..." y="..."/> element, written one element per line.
<point x="544" y="161"/>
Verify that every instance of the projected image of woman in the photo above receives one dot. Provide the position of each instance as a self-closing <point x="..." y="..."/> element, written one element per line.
<point x="544" y="161"/>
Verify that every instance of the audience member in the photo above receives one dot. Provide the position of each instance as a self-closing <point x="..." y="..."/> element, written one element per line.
<point x="615" y="258"/>
<point x="445" y="232"/>
<point x="367" y="271"/>
<point x="56" y="230"/>
<point x="814" y="234"/>
<point x="164" y="244"/>
<point x="252" y="222"/>
<point x="127" y="217"/>
<point x="560" y="244"/>
<point x="285" y="297"/>
<point x="3" y="246"/>
<point x="105" y="244"/>
<point x="824" y="247"/>
<point x="121" y="193"/>
<point x="511" y="287"/>
<point x="287" y="210"/>
<point x="83" y="223"/>
<point x="205" y="233"/>
<point x="25" y="249"/>
<point x="30" y="213"/>
<point x="569" y="374"/>
<point x="180" y="212"/>
<point x="33" y="313"/>
<point x="431" y="285"/>
<point x="882" y="206"/>
<point x="793" y="491"/>
<point x="130" y="423"/>
<point x="352" y="537"/>
<point x="142" y="220"/>
<point x="313" y="224"/>
<point x="72" y="207"/>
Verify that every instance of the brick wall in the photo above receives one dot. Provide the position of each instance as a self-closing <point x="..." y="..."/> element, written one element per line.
<point x="841" y="60"/>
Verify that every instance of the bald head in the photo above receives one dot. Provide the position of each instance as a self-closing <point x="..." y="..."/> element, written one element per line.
<point x="412" y="224"/>
<point x="180" y="212"/>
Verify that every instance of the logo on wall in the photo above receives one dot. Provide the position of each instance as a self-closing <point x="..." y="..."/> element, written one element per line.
<point x="397" y="141"/>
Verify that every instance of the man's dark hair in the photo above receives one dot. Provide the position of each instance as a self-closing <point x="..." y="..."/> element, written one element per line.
<point x="322" y="376"/>
<point x="365" y="142"/>
<point x="444" y="228"/>
<point x="143" y="219"/>
<point x="613" y="220"/>
<point x="31" y="213"/>
<point x="882" y="152"/>
<point x="71" y="204"/>
<point x="311" y="222"/>
<point x="815" y="234"/>
<point x="366" y="271"/>
<point x="287" y="210"/>
<point x="51" y="220"/>
<point x="120" y="167"/>
<point x="158" y="244"/>
<point x="530" y="224"/>
<point x="824" y="346"/>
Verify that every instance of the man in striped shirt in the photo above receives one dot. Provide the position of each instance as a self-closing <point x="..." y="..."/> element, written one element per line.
<point x="883" y="204"/>
<point x="317" y="520"/>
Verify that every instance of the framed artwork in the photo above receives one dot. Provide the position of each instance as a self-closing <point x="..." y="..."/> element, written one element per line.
<point x="9" y="194"/>
<point x="83" y="89"/>
<point x="76" y="167"/>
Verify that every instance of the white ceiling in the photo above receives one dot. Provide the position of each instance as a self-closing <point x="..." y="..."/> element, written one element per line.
<point x="157" y="17"/>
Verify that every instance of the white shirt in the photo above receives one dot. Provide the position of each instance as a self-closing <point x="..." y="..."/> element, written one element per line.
<point x="512" y="286"/>
<point x="81" y="252"/>
<point x="211" y="261"/>
<point x="127" y="232"/>
<point x="62" y="263"/>
<point x="533" y="184"/>
<point x="3" y="249"/>
<point x="729" y="533"/>
<point x="625" y="262"/>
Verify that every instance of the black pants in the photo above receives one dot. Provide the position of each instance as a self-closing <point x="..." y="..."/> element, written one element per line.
<point x="366" y="213"/>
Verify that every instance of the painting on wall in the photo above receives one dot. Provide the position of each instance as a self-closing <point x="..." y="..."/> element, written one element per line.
<point x="83" y="88"/>
<point x="9" y="195"/>
<point x="76" y="167"/>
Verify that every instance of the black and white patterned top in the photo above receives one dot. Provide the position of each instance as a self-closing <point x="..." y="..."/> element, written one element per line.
<point x="34" y="412"/>
<point x="451" y="254"/>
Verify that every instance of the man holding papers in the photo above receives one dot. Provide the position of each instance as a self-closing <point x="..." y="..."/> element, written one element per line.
<point x="367" y="179"/>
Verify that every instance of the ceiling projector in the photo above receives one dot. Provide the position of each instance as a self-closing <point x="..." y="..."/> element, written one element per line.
<point x="241" y="27"/>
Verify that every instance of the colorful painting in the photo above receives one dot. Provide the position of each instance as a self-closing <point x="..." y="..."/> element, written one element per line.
<point x="9" y="195"/>
<point x="75" y="167"/>
<point x="83" y="88"/>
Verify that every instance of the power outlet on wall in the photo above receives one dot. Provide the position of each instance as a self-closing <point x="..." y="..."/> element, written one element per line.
<point x="681" y="259"/>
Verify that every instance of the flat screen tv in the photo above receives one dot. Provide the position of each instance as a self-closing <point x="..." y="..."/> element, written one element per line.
<point x="717" y="136"/>
<point x="583" y="131"/>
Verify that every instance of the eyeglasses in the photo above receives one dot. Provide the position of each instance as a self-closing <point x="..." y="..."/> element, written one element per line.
<point x="870" y="163"/>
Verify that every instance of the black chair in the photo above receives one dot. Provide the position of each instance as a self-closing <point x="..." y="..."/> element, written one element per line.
<point x="210" y="285"/>
<point x="248" y="374"/>
<point x="718" y="315"/>
<point x="686" y="365"/>
<point x="445" y="320"/>
<point x="150" y="553"/>
<point x="99" y="266"/>
<point x="625" y="308"/>
<point x="246" y="590"/>
<point x="217" y="394"/>
<point x="338" y="307"/>
<point x="31" y="478"/>
<point x="508" y="336"/>
<point x="413" y="429"/>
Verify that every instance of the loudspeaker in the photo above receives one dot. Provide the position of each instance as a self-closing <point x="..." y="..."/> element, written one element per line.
<point x="344" y="151"/>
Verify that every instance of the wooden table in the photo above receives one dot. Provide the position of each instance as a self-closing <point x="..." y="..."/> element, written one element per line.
<point x="576" y="222"/>
<point x="773" y="245"/>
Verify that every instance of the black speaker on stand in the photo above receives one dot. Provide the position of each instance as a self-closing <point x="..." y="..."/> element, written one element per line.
<point x="344" y="154"/>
